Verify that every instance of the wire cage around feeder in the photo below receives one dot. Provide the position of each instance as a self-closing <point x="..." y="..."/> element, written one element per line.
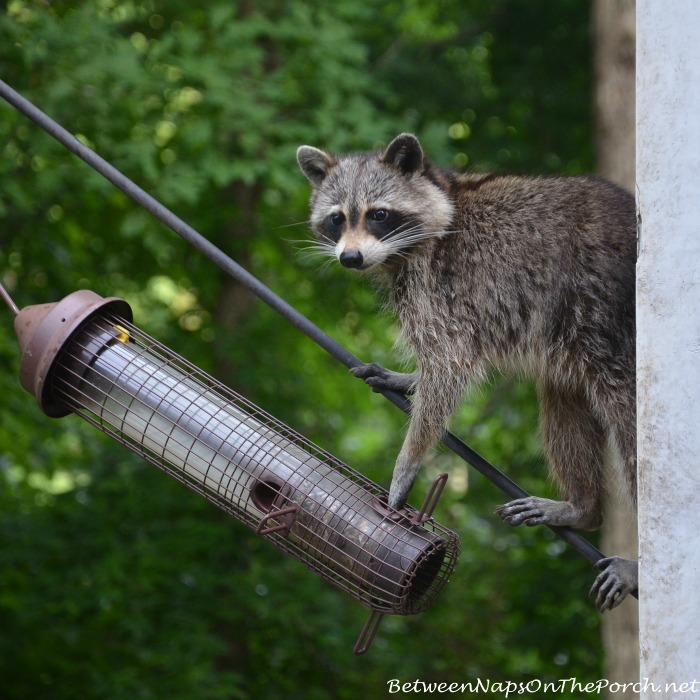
<point x="83" y="355"/>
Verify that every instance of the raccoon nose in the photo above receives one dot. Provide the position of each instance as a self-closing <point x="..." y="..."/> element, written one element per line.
<point x="351" y="258"/>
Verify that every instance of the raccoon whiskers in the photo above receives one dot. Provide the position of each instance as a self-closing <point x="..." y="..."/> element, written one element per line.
<point x="291" y="225"/>
<point x="401" y="239"/>
<point x="314" y="251"/>
<point x="309" y="249"/>
<point x="326" y="265"/>
<point x="404" y="230"/>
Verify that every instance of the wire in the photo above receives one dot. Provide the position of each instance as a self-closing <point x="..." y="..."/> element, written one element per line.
<point x="8" y="300"/>
<point x="297" y="319"/>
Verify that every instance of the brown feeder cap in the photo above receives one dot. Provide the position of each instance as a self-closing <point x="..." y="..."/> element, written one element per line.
<point x="42" y="331"/>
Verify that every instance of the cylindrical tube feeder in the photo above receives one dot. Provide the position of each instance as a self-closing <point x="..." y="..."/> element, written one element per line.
<point x="83" y="355"/>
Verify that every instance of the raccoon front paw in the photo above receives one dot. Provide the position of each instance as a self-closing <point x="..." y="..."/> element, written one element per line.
<point x="405" y="472"/>
<point x="533" y="511"/>
<point x="381" y="379"/>
<point x="618" y="578"/>
<point x="398" y="495"/>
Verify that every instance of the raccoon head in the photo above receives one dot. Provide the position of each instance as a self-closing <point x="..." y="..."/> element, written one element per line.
<point x="368" y="209"/>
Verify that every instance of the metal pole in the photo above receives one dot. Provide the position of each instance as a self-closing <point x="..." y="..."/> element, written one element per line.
<point x="668" y="345"/>
<point x="4" y="295"/>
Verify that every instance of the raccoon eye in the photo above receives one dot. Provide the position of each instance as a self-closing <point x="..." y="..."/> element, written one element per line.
<point x="336" y="219"/>
<point x="380" y="215"/>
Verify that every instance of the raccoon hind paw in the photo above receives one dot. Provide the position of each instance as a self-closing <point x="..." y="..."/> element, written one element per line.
<point x="381" y="379"/>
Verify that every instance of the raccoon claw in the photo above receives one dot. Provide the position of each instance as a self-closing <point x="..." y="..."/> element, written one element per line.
<point x="533" y="511"/>
<point x="617" y="579"/>
<point x="524" y="511"/>
<point x="381" y="379"/>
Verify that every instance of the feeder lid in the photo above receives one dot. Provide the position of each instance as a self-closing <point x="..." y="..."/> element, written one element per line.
<point x="43" y="329"/>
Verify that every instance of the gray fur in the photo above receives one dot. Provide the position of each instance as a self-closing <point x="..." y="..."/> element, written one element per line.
<point x="518" y="274"/>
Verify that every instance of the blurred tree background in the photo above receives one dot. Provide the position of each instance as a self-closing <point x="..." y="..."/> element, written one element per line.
<point x="116" y="582"/>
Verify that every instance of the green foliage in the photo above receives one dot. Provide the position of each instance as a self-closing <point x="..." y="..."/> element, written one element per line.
<point x="116" y="583"/>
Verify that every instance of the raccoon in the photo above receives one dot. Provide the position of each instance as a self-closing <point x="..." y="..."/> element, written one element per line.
<point x="489" y="272"/>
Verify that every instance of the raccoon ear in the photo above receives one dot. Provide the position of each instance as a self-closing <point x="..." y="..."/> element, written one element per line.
<point x="314" y="163"/>
<point x="404" y="153"/>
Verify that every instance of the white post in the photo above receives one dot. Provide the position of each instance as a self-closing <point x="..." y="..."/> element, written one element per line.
<point x="668" y="345"/>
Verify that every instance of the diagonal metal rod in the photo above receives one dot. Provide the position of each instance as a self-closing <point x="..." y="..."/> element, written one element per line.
<point x="219" y="258"/>
<point x="5" y="296"/>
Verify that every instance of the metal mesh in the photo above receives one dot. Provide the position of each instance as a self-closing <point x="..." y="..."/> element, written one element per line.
<point x="301" y="498"/>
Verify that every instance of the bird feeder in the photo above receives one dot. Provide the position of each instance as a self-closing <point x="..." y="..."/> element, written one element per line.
<point x="83" y="355"/>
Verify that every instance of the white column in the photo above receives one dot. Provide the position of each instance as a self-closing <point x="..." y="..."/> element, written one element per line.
<point x="668" y="345"/>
